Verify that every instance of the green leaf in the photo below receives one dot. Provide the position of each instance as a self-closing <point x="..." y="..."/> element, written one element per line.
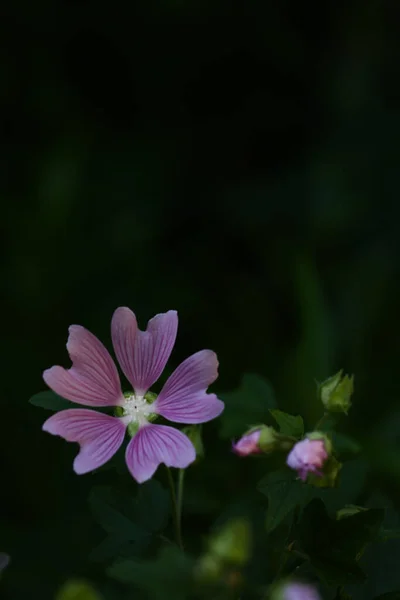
<point x="338" y="572"/>
<point x="344" y="444"/>
<point x="151" y="506"/>
<point x="169" y="574"/>
<point x="50" y="401"/>
<point x="288" y="424"/>
<point x="129" y="521"/>
<point x="245" y="406"/>
<point x="334" y="546"/>
<point x="284" y="493"/>
<point x="77" y="590"/>
<point x="385" y="535"/>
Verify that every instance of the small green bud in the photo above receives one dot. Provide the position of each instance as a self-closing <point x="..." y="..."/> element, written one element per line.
<point x="194" y="434"/>
<point x="208" y="569"/>
<point x="232" y="544"/>
<point x="150" y="397"/>
<point x="335" y="393"/>
<point x="118" y="411"/>
<point x="77" y="590"/>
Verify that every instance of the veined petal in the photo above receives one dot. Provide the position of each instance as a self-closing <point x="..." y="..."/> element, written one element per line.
<point x="93" y="379"/>
<point x="143" y="354"/>
<point x="183" y="398"/>
<point x="98" y="435"/>
<point x="155" y="444"/>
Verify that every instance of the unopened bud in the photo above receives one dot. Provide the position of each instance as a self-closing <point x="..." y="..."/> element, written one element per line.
<point x="335" y="393"/>
<point x="294" y="590"/>
<point x="308" y="457"/>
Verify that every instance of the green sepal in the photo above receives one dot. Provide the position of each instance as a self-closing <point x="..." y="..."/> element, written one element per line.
<point x="133" y="428"/>
<point x="150" y="397"/>
<point x="330" y="477"/>
<point x="119" y="411"/>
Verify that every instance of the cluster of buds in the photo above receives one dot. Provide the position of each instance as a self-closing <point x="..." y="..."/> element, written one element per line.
<point x="312" y="457"/>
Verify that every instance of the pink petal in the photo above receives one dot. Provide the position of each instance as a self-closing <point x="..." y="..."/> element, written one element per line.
<point x="155" y="444"/>
<point x="183" y="398"/>
<point x="98" y="435"/>
<point x="93" y="378"/>
<point x="143" y="354"/>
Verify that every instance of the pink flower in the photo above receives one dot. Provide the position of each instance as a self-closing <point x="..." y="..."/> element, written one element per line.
<point x="300" y="591"/>
<point x="248" y="444"/>
<point x="93" y="381"/>
<point x="307" y="456"/>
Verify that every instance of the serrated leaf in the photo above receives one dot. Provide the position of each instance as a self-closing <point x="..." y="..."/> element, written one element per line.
<point x="288" y="424"/>
<point x="334" y="546"/>
<point x="245" y="406"/>
<point x="129" y="521"/>
<point x="284" y="493"/>
<point x="168" y="574"/>
<point x="50" y="401"/>
<point x="111" y="519"/>
<point x="384" y="535"/>
<point x="152" y="506"/>
<point x="338" y="572"/>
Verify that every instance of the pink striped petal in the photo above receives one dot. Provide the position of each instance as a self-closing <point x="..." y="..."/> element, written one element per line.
<point x="98" y="435"/>
<point x="155" y="444"/>
<point x="183" y="398"/>
<point x="143" y="354"/>
<point x="93" y="379"/>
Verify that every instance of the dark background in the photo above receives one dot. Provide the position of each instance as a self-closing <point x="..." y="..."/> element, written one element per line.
<point x="238" y="162"/>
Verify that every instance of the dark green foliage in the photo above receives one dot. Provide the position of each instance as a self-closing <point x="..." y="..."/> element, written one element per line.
<point x="246" y="406"/>
<point x="51" y="401"/>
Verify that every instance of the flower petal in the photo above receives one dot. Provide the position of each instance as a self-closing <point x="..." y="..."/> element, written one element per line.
<point x="98" y="435"/>
<point x="183" y="398"/>
<point x="93" y="378"/>
<point x="155" y="444"/>
<point x="143" y="354"/>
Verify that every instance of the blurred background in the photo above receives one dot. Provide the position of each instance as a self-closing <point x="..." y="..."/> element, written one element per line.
<point x="235" y="161"/>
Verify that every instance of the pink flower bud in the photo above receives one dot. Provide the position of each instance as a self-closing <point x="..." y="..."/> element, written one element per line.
<point x="248" y="444"/>
<point x="307" y="456"/>
<point x="299" y="591"/>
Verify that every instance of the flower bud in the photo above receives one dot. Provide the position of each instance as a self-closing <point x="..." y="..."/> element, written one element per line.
<point x="248" y="444"/>
<point x="308" y="456"/>
<point x="294" y="590"/>
<point x="335" y="393"/>
<point x="262" y="439"/>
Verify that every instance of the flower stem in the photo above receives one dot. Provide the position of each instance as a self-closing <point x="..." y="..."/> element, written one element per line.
<point x="176" y="505"/>
<point x="322" y="421"/>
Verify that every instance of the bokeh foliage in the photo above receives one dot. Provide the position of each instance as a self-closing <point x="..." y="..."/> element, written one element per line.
<point x="236" y="162"/>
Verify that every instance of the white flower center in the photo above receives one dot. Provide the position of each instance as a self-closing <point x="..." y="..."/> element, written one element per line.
<point x="136" y="409"/>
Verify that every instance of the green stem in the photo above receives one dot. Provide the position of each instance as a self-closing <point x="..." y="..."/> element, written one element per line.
<point x="175" y="509"/>
<point x="322" y="420"/>
<point x="181" y="477"/>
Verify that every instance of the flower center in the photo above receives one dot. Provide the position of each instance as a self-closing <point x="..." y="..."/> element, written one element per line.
<point x="137" y="409"/>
